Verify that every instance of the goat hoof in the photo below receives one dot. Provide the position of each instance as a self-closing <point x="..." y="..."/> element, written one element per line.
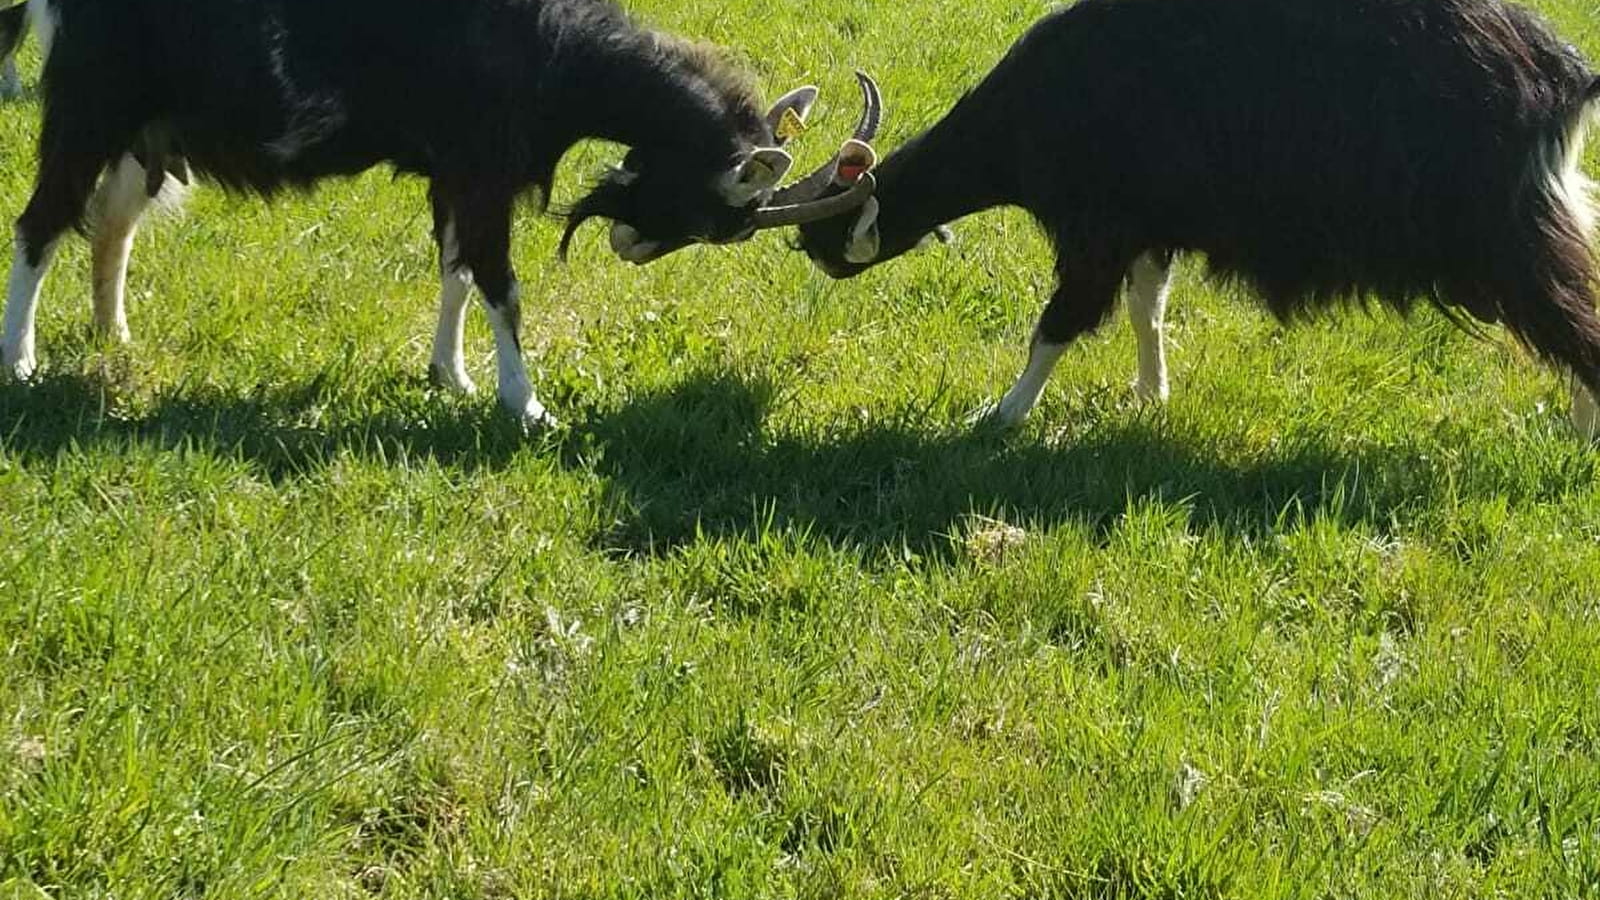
<point x="451" y="379"/>
<point x="20" y="370"/>
<point x="1151" y="394"/>
<point x="533" y="416"/>
<point x="982" y="416"/>
<point x="995" y="416"/>
<point x="540" y="421"/>
<point x="113" y="334"/>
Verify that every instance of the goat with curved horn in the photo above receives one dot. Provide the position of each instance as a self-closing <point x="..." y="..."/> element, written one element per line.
<point x="813" y="185"/>
<point x="817" y="210"/>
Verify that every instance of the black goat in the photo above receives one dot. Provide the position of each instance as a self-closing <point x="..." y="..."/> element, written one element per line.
<point x="1320" y="150"/>
<point x="482" y="97"/>
<point x="13" y="28"/>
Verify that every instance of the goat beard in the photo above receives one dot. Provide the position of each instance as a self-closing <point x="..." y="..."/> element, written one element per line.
<point x="604" y="202"/>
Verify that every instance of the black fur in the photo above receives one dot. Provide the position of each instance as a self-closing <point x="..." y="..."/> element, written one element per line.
<point x="1321" y="150"/>
<point x="483" y="97"/>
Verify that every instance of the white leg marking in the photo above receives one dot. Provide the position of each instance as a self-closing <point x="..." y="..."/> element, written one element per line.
<point x="515" y="388"/>
<point x="115" y="210"/>
<point x="1024" y="395"/>
<point x="448" y="368"/>
<point x="17" y="358"/>
<point x="10" y="83"/>
<point x="1147" y="310"/>
<point x="1585" y="411"/>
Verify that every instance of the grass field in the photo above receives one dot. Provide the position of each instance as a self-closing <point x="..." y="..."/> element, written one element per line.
<point x="766" y="620"/>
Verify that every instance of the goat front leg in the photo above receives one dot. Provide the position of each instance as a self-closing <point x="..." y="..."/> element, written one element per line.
<point x="30" y="263"/>
<point x="515" y="388"/>
<point x="1148" y="285"/>
<point x="484" y="234"/>
<point x="1552" y="308"/>
<point x="1085" y="297"/>
<point x="448" y="367"/>
<point x="60" y="195"/>
<point x="1585" y="411"/>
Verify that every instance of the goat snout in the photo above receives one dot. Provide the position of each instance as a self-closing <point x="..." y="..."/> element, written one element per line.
<point x="630" y="245"/>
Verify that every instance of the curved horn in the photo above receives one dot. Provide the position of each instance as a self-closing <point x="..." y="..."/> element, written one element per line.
<point x="817" y="210"/>
<point x="814" y="184"/>
<point x="871" y="109"/>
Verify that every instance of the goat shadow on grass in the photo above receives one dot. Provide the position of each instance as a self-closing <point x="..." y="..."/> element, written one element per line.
<point x="699" y="459"/>
<point x="276" y="429"/>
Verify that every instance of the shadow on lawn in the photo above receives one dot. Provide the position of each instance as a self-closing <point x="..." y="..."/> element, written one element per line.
<point x="279" y="430"/>
<point x="699" y="458"/>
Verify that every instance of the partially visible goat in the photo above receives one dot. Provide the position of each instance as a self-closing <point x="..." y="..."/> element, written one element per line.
<point x="13" y="28"/>
<point x="482" y="97"/>
<point x="1321" y="150"/>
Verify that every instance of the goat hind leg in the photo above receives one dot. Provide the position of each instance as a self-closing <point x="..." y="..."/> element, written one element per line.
<point x="115" y="210"/>
<point x="1148" y="284"/>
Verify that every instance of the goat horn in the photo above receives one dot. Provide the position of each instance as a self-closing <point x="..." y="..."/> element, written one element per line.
<point x="871" y="109"/>
<point x="817" y="210"/>
<point x="814" y="184"/>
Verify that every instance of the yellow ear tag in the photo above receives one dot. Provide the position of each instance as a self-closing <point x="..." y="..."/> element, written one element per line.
<point x="790" y="125"/>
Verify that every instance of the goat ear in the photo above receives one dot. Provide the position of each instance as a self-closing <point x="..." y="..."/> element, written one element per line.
<point x="758" y="174"/>
<point x="861" y="247"/>
<point x="856" y="158"/>
<point x="787" y="118"/>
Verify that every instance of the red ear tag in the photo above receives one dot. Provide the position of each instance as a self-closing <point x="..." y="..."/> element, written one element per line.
<point x="856" y="159"/>
<point x="851" y="171"/>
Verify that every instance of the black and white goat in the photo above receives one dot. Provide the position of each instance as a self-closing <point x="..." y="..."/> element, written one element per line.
<point x="1319" y="150"/>
<point x="482" y="97"/>
<point x="13" y="28"/>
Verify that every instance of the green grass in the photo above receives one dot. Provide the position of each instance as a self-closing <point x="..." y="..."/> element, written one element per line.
<point x="276" y="620"/>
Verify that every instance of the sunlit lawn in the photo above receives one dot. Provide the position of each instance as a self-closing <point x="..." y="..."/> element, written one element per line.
<point x="766" y="619"/>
